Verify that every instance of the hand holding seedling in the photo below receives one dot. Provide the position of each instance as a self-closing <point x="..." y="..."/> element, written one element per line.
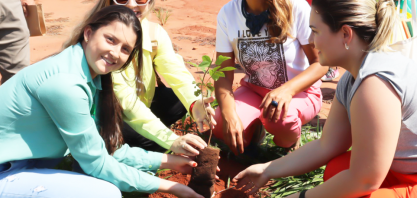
<point x="199" y="113"/>
<point x="215" y="74"/>
<point x="204" y="175"/>
<point x="283" y="97"/>
<point x="253" y="178"/>
<point x="187" y="144"/>
<point x="232" y="125"/>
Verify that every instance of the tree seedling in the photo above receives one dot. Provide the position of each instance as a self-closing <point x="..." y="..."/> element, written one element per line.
<point x="203" y="176"/>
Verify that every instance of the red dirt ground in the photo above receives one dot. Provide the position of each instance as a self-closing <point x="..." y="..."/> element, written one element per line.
<point x="227" y="168"/>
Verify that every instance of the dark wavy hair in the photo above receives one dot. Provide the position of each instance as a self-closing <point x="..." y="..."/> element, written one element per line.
<point x="110" y="111"/>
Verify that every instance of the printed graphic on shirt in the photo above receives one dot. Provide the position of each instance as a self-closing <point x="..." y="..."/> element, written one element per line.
<point x="264" y="62"/>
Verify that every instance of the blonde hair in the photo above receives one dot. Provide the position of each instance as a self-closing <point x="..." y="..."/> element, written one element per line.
<point x="281" y="20"/>
<point x="372" y="21"/>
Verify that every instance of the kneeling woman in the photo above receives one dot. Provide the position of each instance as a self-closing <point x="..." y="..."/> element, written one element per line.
<point x="63" y="104"/>
<point x="374" y="110"/>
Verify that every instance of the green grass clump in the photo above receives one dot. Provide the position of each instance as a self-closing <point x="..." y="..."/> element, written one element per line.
<point x="285" y="186"/>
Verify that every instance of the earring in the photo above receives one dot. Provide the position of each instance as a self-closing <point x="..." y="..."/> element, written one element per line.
<point x="86" y="40"/>
<point x="346" y="46"/>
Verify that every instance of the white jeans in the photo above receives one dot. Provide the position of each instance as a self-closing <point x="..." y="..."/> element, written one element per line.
<point x="35" y="178"/>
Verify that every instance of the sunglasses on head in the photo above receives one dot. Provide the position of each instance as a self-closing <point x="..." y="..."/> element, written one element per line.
<point x="138" y="2"/>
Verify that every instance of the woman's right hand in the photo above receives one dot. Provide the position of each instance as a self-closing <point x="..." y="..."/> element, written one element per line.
<point x="253" y="177"/>
<point x="233" y="132"/>
<point x="177" y="189"/>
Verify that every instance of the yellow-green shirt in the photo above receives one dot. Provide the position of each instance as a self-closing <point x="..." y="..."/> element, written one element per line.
<point x="137" y="112"/>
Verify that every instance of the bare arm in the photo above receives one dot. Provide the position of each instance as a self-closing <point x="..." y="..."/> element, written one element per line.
<point x="232" y="125"/>
<point x="223" y="91"/>
<point x="375" y="133"/>
<point x="374" y="139"/>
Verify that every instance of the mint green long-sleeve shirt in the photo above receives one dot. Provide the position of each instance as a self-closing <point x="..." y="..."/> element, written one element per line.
<point x="45" y="113"/>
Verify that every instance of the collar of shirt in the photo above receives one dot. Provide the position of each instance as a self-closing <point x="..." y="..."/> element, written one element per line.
<point x="146" y="40"/>
<point x="85" y="71"/>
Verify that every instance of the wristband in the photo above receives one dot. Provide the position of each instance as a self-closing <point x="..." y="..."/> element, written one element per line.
<point x="191" y="108"/>
<point x="303" y="194"/>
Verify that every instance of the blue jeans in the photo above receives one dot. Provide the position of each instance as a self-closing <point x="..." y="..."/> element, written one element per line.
<point x="36" y="178"/>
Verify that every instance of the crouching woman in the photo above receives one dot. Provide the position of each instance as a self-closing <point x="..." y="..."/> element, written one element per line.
<point x="66" y="103"/>
<point x="374" y="111"/>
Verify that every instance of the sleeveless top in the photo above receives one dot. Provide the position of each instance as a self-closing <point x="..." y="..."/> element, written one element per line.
<point x="401" y="73"/>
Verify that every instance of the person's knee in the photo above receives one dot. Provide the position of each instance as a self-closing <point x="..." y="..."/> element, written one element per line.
<point x="286" y="132"/>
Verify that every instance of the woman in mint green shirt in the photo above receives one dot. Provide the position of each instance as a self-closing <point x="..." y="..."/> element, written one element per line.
<point x="66" y="104"/>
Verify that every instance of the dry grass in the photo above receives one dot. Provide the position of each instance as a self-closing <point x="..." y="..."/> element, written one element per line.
<point x="162" y="14"/>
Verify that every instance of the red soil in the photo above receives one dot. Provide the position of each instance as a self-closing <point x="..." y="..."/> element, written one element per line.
<point x="227" y="168"/>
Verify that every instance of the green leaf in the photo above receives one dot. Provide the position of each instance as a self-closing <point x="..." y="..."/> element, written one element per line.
<point x="209" y="86"/>
<point x="216" y="75"/>
<point x="206" y="58"/>
<point x="186" y="128"/>
<point x="221" y="74"/>
<point x="221" y="59"/>
<point x="214" y="104"/>
<point x="204" y="64"/>
<point x="227" y="69"/>
<point x="197" y="92"/>
<point x="193" y="64"/>
<point x="211" y="72"/>
<point x="215" y="69"/>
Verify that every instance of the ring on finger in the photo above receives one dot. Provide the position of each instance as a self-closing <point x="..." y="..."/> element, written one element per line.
<point x="274" y="103"/>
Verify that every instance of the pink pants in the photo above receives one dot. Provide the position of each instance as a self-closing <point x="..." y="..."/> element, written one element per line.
<point x="303" y="107"/>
